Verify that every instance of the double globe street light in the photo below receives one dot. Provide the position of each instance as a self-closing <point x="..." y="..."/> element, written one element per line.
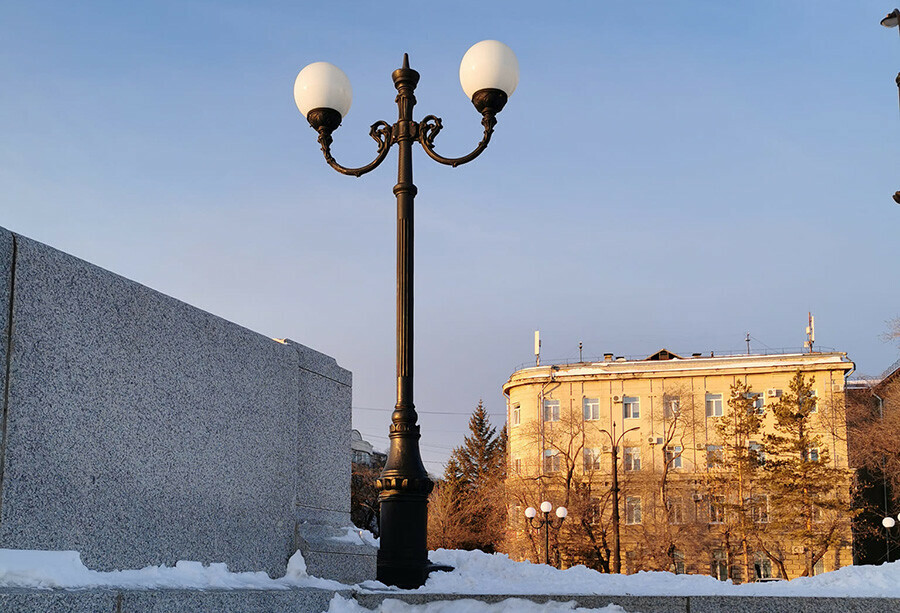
<point x="546" y="523"/>
<point x="489" y="73"/>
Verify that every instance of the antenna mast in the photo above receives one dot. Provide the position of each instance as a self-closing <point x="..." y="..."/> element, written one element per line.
<point x="810" y="332"/>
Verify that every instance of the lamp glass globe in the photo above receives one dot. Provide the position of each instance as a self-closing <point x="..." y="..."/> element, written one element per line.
<point x="489" y="65"/>
<point x="561" y="512"/>
<point x="530" y="512"/>
<point x="546" y="507"/>
<point x="322" y="85"/>
<point x="888" y="522"/>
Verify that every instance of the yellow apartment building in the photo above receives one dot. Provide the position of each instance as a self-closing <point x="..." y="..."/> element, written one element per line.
<point x="680" y="508"/>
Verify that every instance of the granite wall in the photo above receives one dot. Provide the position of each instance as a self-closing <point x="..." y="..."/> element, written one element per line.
<point x="139" y="430"/>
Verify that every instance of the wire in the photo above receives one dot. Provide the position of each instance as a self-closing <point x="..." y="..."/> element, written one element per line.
<point x="426" y="412"/>
<point x="760" y="342"/>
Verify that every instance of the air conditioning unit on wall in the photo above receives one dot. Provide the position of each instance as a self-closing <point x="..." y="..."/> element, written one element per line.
<point x="655" y="441"/>
<point x="617" y="399"/>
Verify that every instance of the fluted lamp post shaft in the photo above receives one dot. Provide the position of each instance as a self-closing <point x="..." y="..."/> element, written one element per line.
<point x="489" y="75"/>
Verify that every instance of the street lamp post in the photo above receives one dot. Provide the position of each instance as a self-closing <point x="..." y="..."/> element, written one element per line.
<point x="614" y="445"/>
<point x="892" y="20"/>
<point x="546" y="523"/>
<point x="489" y="73"/>
<point x="888" y="523"/>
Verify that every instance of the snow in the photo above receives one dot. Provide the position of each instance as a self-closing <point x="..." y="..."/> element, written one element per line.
<point x="64" y="569"/>
<point x="475" y="573"/>
<point x="510" y="605"/>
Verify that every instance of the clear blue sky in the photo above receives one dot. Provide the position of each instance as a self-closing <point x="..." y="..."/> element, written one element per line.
<point x="666" y="175"/>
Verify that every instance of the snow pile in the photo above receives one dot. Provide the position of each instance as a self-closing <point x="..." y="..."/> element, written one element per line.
<point x="480" y="573"/>
<point x="356" y="536"/>
<point x="510" y="605"/>
<point x="64" y="569"/>
<point x="475" y="573"/>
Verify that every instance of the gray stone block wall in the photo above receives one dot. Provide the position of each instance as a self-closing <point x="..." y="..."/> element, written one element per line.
<point x="141" y="430"/>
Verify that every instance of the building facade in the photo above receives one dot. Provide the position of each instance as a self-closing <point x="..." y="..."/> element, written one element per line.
<point x="691" y="488"/>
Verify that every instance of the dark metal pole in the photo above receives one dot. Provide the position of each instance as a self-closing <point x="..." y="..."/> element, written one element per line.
<point x="404" y="484"/>
<point x="617" y="555"/>
<point x="547" y="538"/>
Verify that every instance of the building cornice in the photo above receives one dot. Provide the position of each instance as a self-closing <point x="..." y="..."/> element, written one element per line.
<point x="685" y="367"/>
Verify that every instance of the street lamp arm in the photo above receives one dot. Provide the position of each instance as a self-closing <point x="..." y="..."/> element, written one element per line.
<point x="431" y="126"/>
<point x="381" y="133"/>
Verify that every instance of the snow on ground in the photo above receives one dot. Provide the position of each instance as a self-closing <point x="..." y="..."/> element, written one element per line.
<point x="475" y="573"/>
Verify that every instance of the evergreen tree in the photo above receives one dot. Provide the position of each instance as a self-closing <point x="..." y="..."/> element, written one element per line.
<point x="809" y="494"/>
<point x="473" y="479"/>
<point x="734" y="479"/>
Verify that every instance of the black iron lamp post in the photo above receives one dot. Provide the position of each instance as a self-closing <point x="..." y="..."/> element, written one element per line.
<point x="892" y="20"/>
<point x="489" y="73"/>
<point x="614" y="448"/>
<point x="546" y="523"/>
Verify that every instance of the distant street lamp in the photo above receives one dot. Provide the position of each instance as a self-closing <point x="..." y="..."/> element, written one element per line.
<point x="892" y="20"/>
<point x="489" y="73"/>
<point x="546" y="523"/>
<point x="888" y="523"/>
<point x="614" y="445"/>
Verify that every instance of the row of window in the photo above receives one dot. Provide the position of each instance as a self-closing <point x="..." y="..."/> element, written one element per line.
<point x="715" y="509"/>
<point x="631" y="407"/>
<point x="631" y="457"/>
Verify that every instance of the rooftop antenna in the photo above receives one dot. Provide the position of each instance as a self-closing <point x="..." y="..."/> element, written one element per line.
<point x="537" y="347"/>
<point x="810" y="333"/>
<point x="748" y="343"/>
<point x="579" y="352"/>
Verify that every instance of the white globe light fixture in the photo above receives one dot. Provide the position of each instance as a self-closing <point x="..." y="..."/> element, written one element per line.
<point x="323" y="95"/>
<point x="888" y="522"/>
<point x="489" y="74"/>
<point x="561" y="512"/>
<point x="546" y="507"/>
<point x="530" y="512"/>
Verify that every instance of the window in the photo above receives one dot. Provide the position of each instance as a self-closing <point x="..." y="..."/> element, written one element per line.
<point x="631" y="407"/>
<point x="757" y="402"/>
<point x="592" y="459"/>
<point x="591" y="408"/>
<point x="814" y="398"/>
<point x="632" y="509"/>
<point x="676" y="512"/>
<point x="594" y="511"/>
<point x="714" y="405"/>
<point x="678" y="562"/>
<point x="812" y="455"/>
<point x="717" y="509"/>
<point x="671" y="407"/>
<point x="632" y="458"/>
<point x="714" y="457"/>
<point x="762" y="566"/>
<point x="819" y="567"/>
<point x="759" y="509"/>
<point x="551" y="410"/>
<point x="718" y="567"/>
<point x="673" y="456"/>
<point x="757" y="453"/>
<point x="516" y="415"/>
<point x="551" y="461"/>
<point x="517" y="465"/>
